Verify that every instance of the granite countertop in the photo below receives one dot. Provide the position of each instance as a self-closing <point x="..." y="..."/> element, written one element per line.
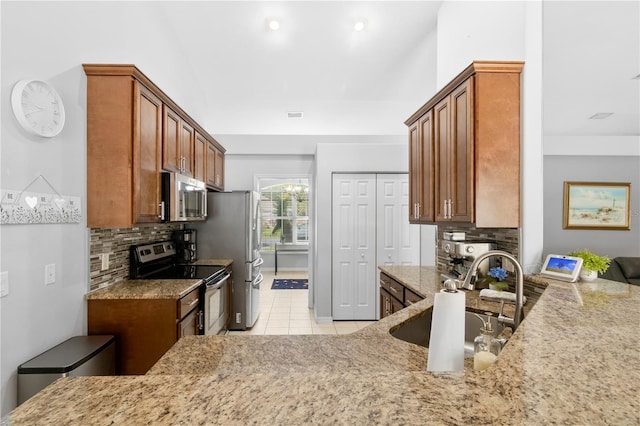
<point x="574" y="360"/>
<point x="154" y="289"/>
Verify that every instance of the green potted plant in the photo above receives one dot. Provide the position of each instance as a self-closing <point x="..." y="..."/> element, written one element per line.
<point x="498" y="274"/>
<point x="592" y="264"/>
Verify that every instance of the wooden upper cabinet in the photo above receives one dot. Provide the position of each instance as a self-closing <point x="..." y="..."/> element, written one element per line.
<point x="219" y="177"/>
<point x="134" y="131"/>
<point x="454" y="144"/>
<point x="187" y="140"/>
<point x="178" y="144"/>
<point x="200" y="157"/>
<point x="147" y="155"/>
<point x="421" y="151"/>
<point x="124" y="133"/>
<point x="215" y="168"/>
<point x="475" y="172"/>
<point x="171" y="144"/>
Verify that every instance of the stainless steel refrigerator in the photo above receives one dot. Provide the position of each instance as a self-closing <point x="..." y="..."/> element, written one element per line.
<point x="232" y="231"/>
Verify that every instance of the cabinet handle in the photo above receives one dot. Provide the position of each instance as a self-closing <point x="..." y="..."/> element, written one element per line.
<point x="161" y="215"/>
<point x="450" y="209"/>
<point x="393" y="290"/>
<point x="418" y="206"/>
<point x="193" y="302"/>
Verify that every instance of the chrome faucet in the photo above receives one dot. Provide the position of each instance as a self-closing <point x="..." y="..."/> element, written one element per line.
<point x="470" y="279"/>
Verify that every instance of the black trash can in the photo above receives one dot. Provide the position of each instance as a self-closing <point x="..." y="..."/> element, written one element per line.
<point x="77" y="356"/>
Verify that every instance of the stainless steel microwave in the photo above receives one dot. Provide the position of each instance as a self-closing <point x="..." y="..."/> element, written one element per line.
<point x="184" y="198"/>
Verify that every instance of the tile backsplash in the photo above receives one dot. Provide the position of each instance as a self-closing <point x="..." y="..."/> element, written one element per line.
<point x="506" y="239"/>
<point x="116" y="242"/>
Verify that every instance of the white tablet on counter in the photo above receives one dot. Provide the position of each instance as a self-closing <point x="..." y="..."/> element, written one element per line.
<point x="559" y="267"/>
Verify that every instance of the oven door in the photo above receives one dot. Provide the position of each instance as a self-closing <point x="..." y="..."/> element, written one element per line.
<point x="215" y="306"/>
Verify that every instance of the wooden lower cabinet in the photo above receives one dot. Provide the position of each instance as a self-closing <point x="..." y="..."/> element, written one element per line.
<point x="388" y="304"/>
<point x="394" y="296"/>
<point x="145" y="329"/>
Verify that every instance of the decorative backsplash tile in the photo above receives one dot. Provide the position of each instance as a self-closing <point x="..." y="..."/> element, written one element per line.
<point x="116" y="242"/>
<point x="506" y="239"/>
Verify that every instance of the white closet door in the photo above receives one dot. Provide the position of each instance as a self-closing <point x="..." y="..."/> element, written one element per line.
<point x="398" y="241"/>
<point x="354" y="282"/>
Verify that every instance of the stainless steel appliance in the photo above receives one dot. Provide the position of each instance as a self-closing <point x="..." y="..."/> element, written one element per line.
<point x="461" y="255"/>
<point x="77" y="356"/>
<point x="184" y="198"/>
<point x="232" y="230"/>
<point x="159" y="261"/>
<point x="185" y="241"/>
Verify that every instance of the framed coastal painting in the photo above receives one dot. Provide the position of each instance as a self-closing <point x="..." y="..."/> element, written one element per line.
<point x="596" y="205"/>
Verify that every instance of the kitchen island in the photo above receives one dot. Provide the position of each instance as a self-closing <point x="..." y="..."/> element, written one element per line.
<point x="574" y="360"/>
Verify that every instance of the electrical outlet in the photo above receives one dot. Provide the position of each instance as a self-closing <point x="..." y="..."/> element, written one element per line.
<point x="50" y="273"/>
<point x="4" y="284"/>
<point x="105" y="261"/>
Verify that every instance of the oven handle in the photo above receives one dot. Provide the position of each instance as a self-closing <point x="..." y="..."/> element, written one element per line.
<point x="216" y="285"/>
<point x="258" y="280"/>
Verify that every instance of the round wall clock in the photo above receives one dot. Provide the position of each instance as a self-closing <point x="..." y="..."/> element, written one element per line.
<point x="38" y="108"/>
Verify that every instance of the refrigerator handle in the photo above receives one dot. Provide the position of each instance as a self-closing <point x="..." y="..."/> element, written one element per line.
<point x="258" y="262"/>
<point x="258" y="280"/>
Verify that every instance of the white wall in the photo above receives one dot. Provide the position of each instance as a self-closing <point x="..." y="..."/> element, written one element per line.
<point x="50" y="41"/>
<point x="590" y="158"/>
<point x="344" y="157"/>
<point x="506" y="31"/>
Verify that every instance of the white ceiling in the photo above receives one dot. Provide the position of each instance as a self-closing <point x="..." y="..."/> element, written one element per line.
<point x="345" y="82"/>
<point x="369" y="82"/>
<point x="591" y="54"/>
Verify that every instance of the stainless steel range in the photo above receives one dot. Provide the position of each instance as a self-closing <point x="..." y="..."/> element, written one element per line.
<point x="160" y="261"/>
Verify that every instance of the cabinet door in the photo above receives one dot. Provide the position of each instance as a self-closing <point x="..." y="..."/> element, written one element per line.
<point x="442" y="132"/>
<point x="461" y="188"/>
<point x="187" y="148"/>
<point x="219" y="177"/>
<point x="211" y="164"/>
<point x="426" y="195"/>
<point x="415" y="173"/>
<point x="453" y="147"/>
<point x="189" y="325"/>
<point x="421" y="171"/>
<point x="171" y="149"/>
<point x="215" y="167"/>
<point x="200" y="160"/>
<point x="147" y="154"/>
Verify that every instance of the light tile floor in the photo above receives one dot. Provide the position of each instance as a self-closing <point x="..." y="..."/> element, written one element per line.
<point x="287" y="311"/>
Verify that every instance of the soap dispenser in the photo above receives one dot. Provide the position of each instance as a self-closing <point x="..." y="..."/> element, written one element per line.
<point x="486" y="347"/>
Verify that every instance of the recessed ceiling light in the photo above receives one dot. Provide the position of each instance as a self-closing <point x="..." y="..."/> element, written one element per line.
<point x="274" y="25"/>
<point x="295" y="114"/>
<point x="359" y="25"/>
<point x="601" y="115"/>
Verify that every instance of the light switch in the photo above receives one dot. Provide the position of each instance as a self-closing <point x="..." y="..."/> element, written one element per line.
<point x="50" y="273"/>
<point x="4" y="284"/>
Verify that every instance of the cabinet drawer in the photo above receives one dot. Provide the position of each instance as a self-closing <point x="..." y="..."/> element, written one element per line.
<point x="410" y="297"/>
<point x="188" y="303"/>
<point x="393" y="287"/>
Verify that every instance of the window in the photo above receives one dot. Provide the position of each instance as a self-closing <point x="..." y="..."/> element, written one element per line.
<point x="285" y="214"/>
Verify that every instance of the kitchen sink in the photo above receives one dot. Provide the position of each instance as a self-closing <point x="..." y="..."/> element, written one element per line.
<point x="418" y="330"/>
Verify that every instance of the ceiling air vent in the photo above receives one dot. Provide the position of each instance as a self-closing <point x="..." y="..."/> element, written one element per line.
<point x="601" y="115"/>
<point x="295" y="114"/>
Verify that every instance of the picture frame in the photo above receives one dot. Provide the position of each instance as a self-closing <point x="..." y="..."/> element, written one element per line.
<point x="597" y="205"/>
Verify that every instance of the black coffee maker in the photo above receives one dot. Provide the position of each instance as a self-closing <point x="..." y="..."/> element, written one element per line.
<point x="185" y="241"/>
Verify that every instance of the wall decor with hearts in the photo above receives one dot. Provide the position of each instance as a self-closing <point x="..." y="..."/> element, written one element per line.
<point x="26" y="207"/>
